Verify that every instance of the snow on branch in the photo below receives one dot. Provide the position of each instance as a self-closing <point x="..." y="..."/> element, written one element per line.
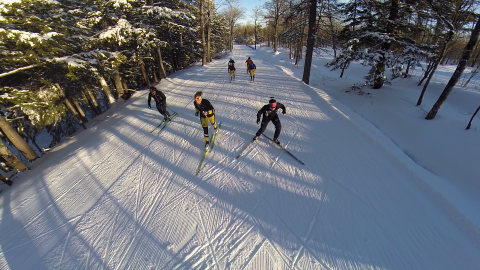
<point x="17" y="70"/>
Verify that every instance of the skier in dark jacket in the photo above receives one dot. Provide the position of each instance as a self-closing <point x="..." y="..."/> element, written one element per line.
<point x="160" y="101"/>
<point x="231" y="68"/>
<point x="249" y="61"/>
<point x="269" y="112"/>
<point x="204" y="108"/>
<point x="252" y="67"/>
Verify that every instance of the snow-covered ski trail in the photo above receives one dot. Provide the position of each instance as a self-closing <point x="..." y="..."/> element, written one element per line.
<point x="116" y="196"/>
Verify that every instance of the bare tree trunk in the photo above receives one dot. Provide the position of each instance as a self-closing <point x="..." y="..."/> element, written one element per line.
<point x="74" y="112"/>
<point x="334" y="37"/>
<point x="472" y="74"/>
<point x="275" y="36"/>
<point x="118" y="83"/>
<point x="19" y="143"/>
<point x="144" y="75"/>
<point x="407" y="70"/>
<point x="471" y="119"/>
<point x="93" y="102"/>
<point x="106" y="90"/>
<point x="5" y="180"/>
<point x="69" y="106"/>
<point x="161" y="69"/>
<point x="427" y="72"/>
<point x="79" y="109"/>
<point x="467" y="52"/>
<point x="202" y="31"/>
<point x="209" y="31"/>
<point x="125" y="86"/>
<point x="344" y="66"/>
<point x="424" y="89"/>
<point x="310" y="41"/>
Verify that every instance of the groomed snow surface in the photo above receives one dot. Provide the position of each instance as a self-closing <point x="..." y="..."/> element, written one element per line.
<point x="117" y="196"/>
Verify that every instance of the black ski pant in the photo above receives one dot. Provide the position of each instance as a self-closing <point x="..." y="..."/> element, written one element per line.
<point x="275" y="120"/>
<point x="162" y="109"/>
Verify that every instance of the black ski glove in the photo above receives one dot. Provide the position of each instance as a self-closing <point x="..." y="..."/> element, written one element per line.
<point x="196" y="114"/>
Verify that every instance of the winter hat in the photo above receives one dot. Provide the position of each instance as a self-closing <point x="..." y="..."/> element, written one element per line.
<point x="198" y="94"/>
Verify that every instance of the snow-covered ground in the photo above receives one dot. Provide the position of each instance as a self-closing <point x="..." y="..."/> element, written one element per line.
<point x="381" y="187"/>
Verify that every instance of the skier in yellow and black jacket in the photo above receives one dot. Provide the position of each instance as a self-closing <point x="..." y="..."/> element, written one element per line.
<point x="205" y="109"/>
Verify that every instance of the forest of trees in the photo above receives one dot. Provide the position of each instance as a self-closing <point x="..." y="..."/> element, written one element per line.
<point x="64" y="62"/>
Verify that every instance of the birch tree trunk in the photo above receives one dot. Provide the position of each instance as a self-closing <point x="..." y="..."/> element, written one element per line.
<point x="19" y="143"/>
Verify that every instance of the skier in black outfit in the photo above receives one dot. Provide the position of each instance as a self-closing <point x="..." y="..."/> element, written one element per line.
<point x="269" y="112"/>
<point x="205" y="109"/>
<point x="160" y="101"/>
<point x="231" y="68"/>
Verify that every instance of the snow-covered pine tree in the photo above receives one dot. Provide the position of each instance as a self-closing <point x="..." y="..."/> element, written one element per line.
<point x="176" y="35"/>
<point x="33" y="33"/>
<point x="382" y="29"/>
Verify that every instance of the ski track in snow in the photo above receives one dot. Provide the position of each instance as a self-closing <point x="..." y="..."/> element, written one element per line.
<point x="130" y="200"/>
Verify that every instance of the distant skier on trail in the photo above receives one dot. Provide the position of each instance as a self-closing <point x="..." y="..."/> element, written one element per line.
<point x="205" y="109"/>
<point x="231" y="68"/>
<point x="269" y="112"/>
<point x="252" y="67"/>
<point x="160" y="101"/>
<point x="249" y="61"/>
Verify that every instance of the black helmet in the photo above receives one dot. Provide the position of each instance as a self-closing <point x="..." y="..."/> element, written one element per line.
<point x="198" y="94"/>
<point x="249" y="57"/>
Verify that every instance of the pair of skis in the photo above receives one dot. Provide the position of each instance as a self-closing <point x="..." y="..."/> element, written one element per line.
<point x="208" y="149"/>
<point x="160" y="127"/>
<point x="273" y="142"/>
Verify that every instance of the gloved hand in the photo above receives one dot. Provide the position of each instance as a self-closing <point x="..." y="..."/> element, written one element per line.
<point x="258" y="122"/>
<point x="284" y="112"/>
<point x="196" y="114"/>
<point x="205" y="113"/>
